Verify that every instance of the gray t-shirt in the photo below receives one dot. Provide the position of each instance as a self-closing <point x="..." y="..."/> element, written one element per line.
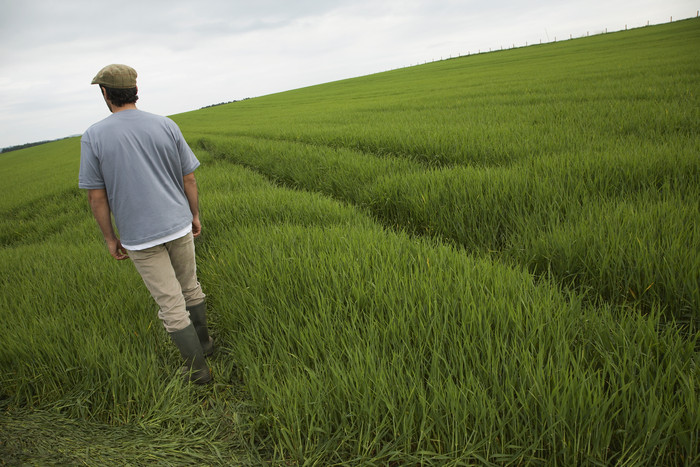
<point x="140" y="159"/>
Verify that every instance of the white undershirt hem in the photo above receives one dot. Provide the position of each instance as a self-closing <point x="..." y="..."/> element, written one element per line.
<point x="160" y="241"/>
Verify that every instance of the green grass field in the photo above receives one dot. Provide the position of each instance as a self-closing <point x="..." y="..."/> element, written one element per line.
<point x="488" y="260"/>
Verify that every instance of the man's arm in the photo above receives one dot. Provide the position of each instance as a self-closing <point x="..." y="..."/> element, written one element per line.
<point x="100" y="209"/>
<point x="193" y="199"/>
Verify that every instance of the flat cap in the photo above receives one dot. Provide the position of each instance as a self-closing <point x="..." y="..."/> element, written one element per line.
<point x="116" y="76"/>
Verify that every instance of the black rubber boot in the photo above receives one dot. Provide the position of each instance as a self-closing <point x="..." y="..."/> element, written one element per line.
<point x="196" y="369"/>
<point x="198" y="316"/>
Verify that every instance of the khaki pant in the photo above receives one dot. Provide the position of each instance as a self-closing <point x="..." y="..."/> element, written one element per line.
<point x="170" y="274"/>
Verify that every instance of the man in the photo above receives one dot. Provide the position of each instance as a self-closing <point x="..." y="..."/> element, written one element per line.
<point x="138" y="167"/>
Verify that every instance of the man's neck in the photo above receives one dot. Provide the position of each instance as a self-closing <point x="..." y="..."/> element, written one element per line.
<point x="116" y="109"/>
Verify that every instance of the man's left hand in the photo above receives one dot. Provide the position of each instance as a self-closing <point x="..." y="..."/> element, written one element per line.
<point x="116" y="249"/>
<point x="196" y="227"/>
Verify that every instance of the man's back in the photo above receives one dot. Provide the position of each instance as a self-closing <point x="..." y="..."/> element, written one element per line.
<point x="139" y="159"/>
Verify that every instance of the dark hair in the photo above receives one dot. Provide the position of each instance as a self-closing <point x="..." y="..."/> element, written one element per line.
<point x="121" y="97"/>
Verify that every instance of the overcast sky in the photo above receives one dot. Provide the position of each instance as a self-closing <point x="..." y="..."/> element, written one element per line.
<point x="193" y="53"/>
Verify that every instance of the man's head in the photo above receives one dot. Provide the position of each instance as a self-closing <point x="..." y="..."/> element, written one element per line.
<point x="117" y="84"/>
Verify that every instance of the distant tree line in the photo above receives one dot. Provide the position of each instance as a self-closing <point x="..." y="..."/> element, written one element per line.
<point x="29" y="145"/>
<point x="223" y="103"/>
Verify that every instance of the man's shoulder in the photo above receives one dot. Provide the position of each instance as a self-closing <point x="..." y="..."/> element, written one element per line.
<point x="126" y="118"/>
<point x="148" y="118"/>
<point x="138" y="113"/>
<point x="97" y="125"/>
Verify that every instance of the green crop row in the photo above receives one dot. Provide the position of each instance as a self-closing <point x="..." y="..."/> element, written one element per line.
<point x="363" y="348"/>
<point x="362" y="345"/>
<point x="619" y="226"/>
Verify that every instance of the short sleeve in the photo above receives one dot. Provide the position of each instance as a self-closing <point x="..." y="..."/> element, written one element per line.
<point x="188" y="161"/>
<point x="90" y="176"/>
